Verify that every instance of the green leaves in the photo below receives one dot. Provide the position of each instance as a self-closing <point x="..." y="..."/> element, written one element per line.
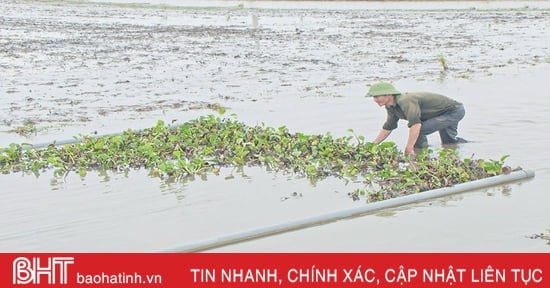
<point x="207" y="143"/>
<point x="493" y="167"/>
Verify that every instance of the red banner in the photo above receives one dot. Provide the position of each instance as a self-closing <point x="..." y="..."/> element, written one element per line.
<point x="275" y="270"/>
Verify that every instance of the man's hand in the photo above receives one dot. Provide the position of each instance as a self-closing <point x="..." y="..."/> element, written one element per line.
<point x="409" y="151"/>
<point x="381" y="136"/>
<point x="414" y="131"/>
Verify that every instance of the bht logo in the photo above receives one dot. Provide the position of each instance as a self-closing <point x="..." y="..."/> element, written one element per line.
<point x="31" y="271"/>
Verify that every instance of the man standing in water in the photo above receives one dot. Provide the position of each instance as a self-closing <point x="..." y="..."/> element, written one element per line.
<point x="426" y="112"/>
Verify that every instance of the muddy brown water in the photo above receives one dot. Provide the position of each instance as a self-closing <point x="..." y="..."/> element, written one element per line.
<point x="72" y="68"/>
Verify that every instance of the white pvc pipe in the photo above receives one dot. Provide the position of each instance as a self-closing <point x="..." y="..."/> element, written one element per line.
<point x="349" y="213"/>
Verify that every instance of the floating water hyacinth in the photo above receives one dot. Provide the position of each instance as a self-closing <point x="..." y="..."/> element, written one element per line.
<point x="206" y="144"/>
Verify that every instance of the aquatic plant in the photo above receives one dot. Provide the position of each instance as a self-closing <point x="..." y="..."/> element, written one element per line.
<point x="443" y="62"/>
<point x="206" y="144"/>
<point x="541" y="236"/>
<point x="26" y="129"/>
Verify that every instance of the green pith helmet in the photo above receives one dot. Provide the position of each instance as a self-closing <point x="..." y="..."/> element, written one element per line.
<point x="382" y="88"/>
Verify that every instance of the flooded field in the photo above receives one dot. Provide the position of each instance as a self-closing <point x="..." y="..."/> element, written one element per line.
<point x="70" y="68"/>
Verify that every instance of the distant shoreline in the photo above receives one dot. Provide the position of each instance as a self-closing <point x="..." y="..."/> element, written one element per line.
<point x="337" y="4"/>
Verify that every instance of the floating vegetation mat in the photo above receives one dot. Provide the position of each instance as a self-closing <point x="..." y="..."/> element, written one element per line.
<point x="206" y="144"/>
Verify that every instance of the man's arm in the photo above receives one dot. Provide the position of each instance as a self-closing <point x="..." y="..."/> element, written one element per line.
<point x="382" y="135"/>
<point x="414" y="131"/>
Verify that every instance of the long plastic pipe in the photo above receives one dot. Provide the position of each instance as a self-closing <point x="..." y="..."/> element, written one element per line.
<point x="332" y="216"/>
<point x="349" y="213"/>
